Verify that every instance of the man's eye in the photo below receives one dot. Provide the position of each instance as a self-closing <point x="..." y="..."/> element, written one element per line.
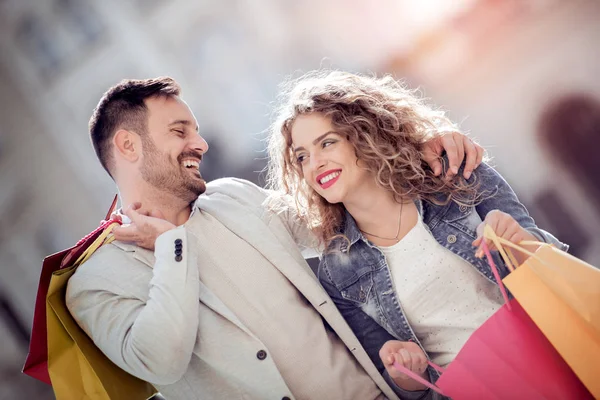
<point x="180" y="132"/>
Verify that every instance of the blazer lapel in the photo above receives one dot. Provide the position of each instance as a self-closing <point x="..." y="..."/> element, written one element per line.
<point x="253" y="229"/>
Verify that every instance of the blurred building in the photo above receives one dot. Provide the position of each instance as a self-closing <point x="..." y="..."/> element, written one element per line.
<point x="520" y="76"/>
<point x="510" y="71"/>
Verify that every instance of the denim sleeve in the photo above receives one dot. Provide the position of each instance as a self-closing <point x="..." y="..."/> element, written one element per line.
<point x="370" y="334"/>
<point x="415" y="395"/>
<point x="498" y="195"/>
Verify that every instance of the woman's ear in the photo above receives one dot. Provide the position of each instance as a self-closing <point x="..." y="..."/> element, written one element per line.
<point x="127" y="145"/>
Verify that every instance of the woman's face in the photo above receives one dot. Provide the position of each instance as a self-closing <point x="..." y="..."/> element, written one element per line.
<point x="327" y="159"/>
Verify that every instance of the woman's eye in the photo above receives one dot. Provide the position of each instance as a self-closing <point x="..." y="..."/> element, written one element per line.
<point x="328" y="143"/>
<point x="300" y="159"/>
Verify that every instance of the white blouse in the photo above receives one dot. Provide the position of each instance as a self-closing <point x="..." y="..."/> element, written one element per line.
<point x="444" y="298"/>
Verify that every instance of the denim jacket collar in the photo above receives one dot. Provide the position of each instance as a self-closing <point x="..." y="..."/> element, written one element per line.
<point x="350" y="229"/>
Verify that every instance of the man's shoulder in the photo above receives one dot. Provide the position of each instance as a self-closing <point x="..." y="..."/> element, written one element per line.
<point x="110" y="266"/>
<point x="109" y="273"/>
<point x="240" y="190"/>
<point x="225" y="185"/>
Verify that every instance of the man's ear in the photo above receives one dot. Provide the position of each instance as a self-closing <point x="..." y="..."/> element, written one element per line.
<point x="127" y="145"/>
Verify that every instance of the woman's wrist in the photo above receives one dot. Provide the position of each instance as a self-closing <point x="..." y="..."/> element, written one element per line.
<point x="410" y="384"/>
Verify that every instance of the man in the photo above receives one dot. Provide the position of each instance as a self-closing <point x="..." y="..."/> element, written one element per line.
<point x="206" y="294"/>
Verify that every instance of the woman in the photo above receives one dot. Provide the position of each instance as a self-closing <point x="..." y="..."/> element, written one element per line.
<point x="401" y="244"/>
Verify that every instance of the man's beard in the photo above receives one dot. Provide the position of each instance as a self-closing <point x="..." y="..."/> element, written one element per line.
<point x="160" y="172"/>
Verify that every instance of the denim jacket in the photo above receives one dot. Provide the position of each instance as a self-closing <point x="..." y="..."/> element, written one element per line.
<point x="355" y="273"/>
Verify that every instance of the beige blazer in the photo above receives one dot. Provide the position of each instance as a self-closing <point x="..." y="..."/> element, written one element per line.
<point x="141" y="307"/>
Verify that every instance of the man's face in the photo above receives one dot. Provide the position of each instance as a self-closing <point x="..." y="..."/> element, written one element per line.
<point x="173" y="149"/>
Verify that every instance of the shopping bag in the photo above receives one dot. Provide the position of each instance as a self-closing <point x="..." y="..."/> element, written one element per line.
<point x="77" y="368"/>
<point x="36" y="362"/>
<point x="508" y="357"/>
<point x="561" y="294"/>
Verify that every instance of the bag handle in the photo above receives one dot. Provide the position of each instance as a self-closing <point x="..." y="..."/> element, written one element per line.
<point x="103" y="224"/>
<point x="417" y="378"/>
<point x="501" y="243"/>
<point x="112" y="208"/>
<point x="490" y="260"/>
<point x="104" y="238"/>
<point x="425" y="382"/>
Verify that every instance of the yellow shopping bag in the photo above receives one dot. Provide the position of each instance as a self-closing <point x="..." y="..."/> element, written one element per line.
<point x="77" y="368"/>
<point x="561" y="294"/>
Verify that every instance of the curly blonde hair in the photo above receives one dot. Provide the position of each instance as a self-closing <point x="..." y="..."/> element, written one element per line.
<point x="385" y="122"/>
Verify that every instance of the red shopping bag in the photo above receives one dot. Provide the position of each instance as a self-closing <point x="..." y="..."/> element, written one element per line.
<point x="36" y="363"/>
<point x="508" y="357"/>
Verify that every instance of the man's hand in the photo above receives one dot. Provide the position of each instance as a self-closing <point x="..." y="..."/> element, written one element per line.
<point x="409" y="355"/>
<point x="458" y="146"/>
<point x="144" y="228"/>
<point x="505" y="226"/>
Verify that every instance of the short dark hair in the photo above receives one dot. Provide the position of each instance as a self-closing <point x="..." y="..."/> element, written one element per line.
<point x="122" y="106"/>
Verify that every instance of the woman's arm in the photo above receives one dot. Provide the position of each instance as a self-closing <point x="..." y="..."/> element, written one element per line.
<point x="371" y="335"/>
<point x="498" y="195"/>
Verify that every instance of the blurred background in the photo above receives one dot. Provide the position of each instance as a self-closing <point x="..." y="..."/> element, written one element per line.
<point x="520" y="76"/>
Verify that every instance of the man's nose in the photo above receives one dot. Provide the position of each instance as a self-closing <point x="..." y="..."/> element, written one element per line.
<point x="199" y="144"/>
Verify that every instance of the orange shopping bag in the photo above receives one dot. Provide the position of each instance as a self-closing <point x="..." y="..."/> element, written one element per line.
<point x="561" y="294"/>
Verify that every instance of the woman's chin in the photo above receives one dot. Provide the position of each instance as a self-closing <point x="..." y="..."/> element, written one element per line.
<point x="333" y="199"/>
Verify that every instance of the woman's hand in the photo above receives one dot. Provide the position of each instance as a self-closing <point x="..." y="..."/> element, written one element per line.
<point x="409" y="355"/>
<point x="144" y="228"/>
<point x="505" y="226"/>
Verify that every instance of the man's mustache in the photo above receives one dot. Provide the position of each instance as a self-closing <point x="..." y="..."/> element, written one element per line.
<point x="190" y="154"/>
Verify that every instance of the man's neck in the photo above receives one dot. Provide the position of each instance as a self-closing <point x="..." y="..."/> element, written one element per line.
<point x="173" y="209"/>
